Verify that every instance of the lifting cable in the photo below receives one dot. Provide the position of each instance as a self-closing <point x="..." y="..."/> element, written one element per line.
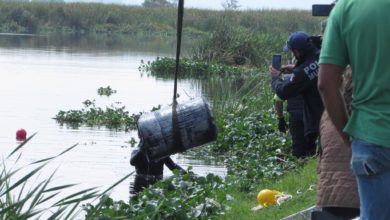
<point x="178" y="46"/>
<point x="177" y="141"/>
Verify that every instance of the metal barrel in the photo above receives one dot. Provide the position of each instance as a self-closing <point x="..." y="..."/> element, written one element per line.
<point x="195" y="127"/>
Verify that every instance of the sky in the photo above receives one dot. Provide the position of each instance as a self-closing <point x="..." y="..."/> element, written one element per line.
<point x="245" y="4"/>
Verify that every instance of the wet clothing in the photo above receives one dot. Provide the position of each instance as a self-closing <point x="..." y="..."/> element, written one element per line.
<point x="304" y="82"/>
<point x="143" y="181"/>
<point x="147" y="167"/>
<point x="148" y="172"/>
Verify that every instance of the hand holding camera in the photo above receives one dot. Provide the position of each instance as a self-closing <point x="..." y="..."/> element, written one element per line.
<point x="284" y="69"/>
<point x="287" y="68"/>
<point x="274" y="72"/>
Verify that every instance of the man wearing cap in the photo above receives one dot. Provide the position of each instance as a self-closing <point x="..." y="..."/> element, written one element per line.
<point x="302" y="82"/>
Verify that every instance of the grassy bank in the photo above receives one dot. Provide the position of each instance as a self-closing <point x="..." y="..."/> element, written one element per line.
<point x="232" y="61"/>
<point x="257" y="155"/>
<point x="22" y="17"/>
<point x="301" y="184"/>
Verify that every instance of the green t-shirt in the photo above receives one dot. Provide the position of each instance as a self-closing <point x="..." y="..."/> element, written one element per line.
<point x="358" y="33"/>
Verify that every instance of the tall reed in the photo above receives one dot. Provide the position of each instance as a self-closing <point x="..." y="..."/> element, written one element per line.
<point x="38" y="17"/>
<point x="24" y="196"/>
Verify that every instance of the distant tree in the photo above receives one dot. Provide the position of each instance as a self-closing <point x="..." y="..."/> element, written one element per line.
<point x="49" y="1"/>
<point x="230" y="4"/>
<point x="158" y="3"/>
<point x="14" y="0"/>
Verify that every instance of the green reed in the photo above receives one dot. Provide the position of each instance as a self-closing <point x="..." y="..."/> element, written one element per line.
<point x="23" y="196"/>
<point x="38" y="17"/>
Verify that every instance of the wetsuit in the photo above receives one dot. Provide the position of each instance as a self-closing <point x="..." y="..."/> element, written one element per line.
<point x="148" y="172"/>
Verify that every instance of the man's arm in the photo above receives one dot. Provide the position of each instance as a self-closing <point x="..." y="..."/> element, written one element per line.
<point x="288" y="88"/>
<point x="138" y="157"/>
<point x="172" y="165"/>
<point x="329" y="79"/>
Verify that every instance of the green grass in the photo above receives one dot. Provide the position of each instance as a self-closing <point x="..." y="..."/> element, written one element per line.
<point x="302" y="180"/>
<point x="25" y="196"/>
<point x="38" y="17"/>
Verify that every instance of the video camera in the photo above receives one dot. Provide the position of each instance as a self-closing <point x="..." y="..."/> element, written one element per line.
<point x="321" y="9"/>
<point x="317" y="10"/>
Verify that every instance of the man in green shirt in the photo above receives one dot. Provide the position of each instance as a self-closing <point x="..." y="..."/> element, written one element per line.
<point x="358" y="34"/>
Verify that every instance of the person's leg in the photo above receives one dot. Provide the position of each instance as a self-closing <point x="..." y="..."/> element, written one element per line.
<point x="371" y="166"/>
<point x="297" y="134"/>
<point x="311" y="144"/>
<point x="140" y="182"/>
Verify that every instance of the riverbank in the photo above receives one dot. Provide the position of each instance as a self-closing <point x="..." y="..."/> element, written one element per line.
<point x="257" y="155"/>
<point x="81" y="18"/>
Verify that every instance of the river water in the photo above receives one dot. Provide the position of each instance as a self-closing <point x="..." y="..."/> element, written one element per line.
<point x="42" y="75"/>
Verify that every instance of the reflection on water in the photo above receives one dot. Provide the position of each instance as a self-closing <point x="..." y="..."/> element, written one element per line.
<point x="155" y="45"/>
<point x="40" y="77"/>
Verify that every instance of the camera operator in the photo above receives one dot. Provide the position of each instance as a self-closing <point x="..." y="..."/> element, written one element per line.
<point x="302" y="82"/>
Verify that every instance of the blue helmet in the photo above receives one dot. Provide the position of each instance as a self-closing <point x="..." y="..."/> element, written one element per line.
<point x="297" y="41"/>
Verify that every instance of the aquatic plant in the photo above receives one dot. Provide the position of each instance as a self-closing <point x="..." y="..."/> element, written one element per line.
<point x="247" y="132"/>
<point x="164" y="67"/>
<point x="105" y="91"/>
<point x="256" y="148"/>
<point x="111" y="117"/>
<point x="179" y="197"/>
<point x="242" y="104"/>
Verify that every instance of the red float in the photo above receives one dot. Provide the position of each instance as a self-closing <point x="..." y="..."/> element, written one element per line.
<point x="21" y="135"/>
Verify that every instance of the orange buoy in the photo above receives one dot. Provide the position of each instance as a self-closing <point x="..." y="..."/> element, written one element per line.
<point x="21" y="135"/>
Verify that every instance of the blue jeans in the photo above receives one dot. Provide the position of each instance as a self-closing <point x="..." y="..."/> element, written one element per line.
<point x="371" y="166"/>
